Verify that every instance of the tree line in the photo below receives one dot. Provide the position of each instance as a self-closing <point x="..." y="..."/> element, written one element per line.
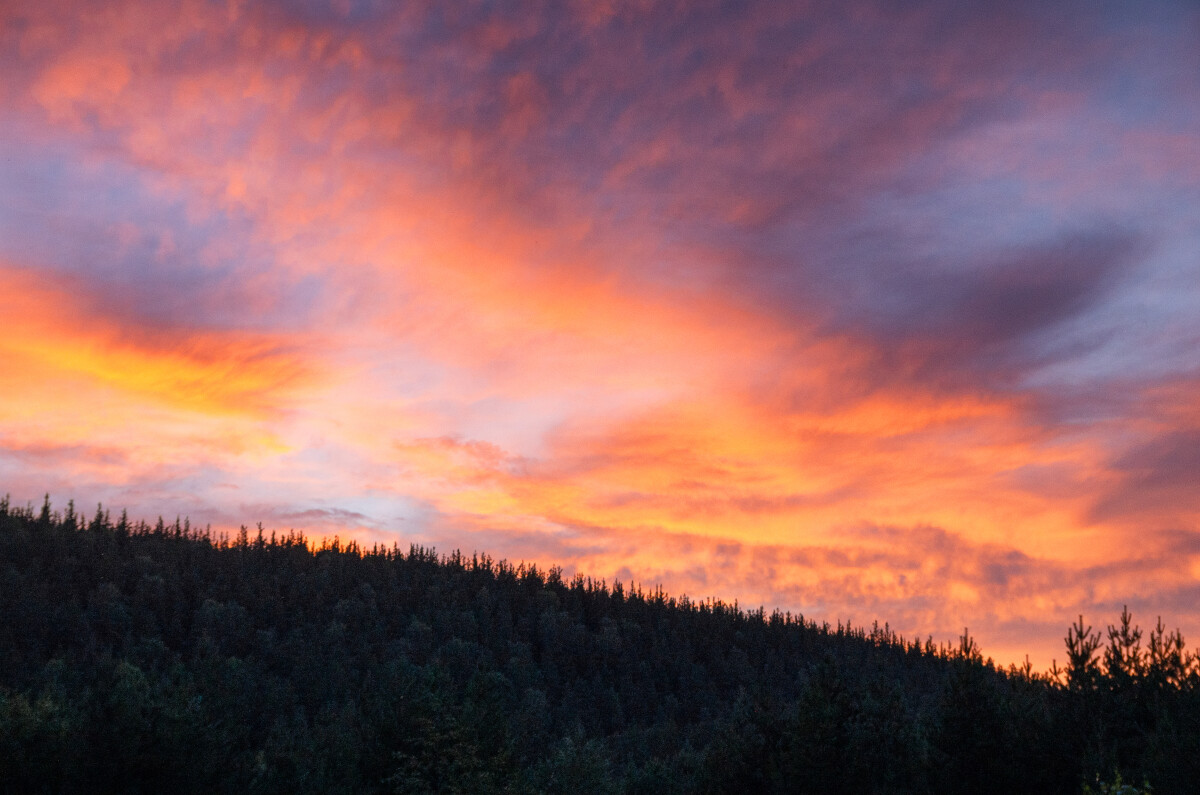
<point x="148" y="658"/>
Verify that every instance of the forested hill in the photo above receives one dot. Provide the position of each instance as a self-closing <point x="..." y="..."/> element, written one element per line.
<point x="138" y="658"/>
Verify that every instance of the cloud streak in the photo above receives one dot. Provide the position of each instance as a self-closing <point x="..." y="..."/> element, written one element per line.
<point x="884" y="312"/>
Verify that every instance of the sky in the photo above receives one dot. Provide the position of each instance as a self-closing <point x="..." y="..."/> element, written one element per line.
<point x="866" y="311"/>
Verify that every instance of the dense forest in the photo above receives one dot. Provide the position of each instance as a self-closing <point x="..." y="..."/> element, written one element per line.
<point x="138" y="658"/>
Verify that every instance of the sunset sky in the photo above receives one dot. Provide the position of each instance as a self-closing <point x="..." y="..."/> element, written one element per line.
<point x="862" y="310"/>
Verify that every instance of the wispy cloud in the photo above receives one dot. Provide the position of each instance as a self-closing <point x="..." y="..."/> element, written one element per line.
<point x="883" y="312"/>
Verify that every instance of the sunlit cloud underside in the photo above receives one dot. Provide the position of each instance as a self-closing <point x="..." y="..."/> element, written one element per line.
<point x="865" y="311"/>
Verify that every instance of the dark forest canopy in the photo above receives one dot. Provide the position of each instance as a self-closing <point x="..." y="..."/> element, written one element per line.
<point x="139" y="658"/>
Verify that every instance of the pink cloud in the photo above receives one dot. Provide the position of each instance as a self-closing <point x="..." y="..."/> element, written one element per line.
<point x="680" y="298"/>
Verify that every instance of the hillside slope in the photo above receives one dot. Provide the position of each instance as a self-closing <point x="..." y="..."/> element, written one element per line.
<point x="147" y="659"/>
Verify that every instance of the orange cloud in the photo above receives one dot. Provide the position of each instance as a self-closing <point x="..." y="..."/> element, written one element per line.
<point x="205" y="371"/>
<point x="576" y="310"/>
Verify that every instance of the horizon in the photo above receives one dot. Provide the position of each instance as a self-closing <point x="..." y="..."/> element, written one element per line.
<point x="549" y="575"/>
<point x="875" y="314"/>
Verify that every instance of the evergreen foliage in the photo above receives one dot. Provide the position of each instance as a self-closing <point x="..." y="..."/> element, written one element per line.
<point x="138" y="658"/>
